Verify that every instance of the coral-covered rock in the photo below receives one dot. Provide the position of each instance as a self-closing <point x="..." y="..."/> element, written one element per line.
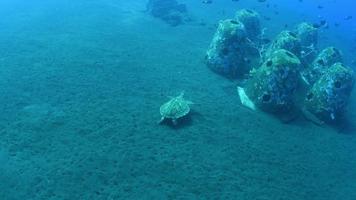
<point x="227" y="52"/>
<point x="169" y="11"/>
<point x="325" y="59"/>
<point x="251" y="20"/>
<point x="272" y="86"/>
<point x="285" y="40"/>
<point x="328" y="97"/>
<point x="308" y="36"/>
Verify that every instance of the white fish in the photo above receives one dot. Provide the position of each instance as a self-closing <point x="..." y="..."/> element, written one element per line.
<point x="245" y="100"/>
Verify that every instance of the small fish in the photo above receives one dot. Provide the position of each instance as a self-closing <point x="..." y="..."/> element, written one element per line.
<point x="315" y="25"/>
<point x="247" y="60"/>
<point x="348" y="17"/>
<point x="266" y="18"/>
<point x="207" y="1"/>
<point x="321" y="24"/>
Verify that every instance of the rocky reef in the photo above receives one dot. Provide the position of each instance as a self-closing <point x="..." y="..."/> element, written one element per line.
<point x="272" y="86"/>
<point x="308" y="36"/>
<point x="233" y="49"/>
<point x="251" y="20"/>
<point x="170" y="11"/>
<point x="226" y="52"/>
<point x="325" y="59"/>
<point x="328" y="97"/>
<point x="287" y="74"/>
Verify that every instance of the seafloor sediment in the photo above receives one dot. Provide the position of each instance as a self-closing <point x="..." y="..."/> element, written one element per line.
<point x="79" y="113"/>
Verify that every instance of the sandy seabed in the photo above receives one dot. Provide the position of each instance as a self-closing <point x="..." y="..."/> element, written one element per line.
<point x="80" y="111"/>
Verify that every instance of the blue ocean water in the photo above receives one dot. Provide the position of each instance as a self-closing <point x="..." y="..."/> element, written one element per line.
<point x="81" y="86"/>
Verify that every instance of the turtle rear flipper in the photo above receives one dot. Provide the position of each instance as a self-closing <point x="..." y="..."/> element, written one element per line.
<point x="161" y="120"/>
<point x="175" y="122"/>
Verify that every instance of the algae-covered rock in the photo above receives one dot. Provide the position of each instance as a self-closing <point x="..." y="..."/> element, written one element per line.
<point x="251" y="20"/>
<point x="285" y="40"/>
<point x="227" y="52"/>
<point x="272" y="86"/>
<point x="328" y="97"/>
<point x="325" y="59"/>
<point x="170" y="11"/>
<point x="329" y="56"/>
<point x="308" y="36"/>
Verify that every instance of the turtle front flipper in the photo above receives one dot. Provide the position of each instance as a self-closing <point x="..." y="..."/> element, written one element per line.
<point x="161" y="120"/>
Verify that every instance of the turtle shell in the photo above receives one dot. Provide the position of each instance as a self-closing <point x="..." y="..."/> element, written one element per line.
<point x="175" y="108"/>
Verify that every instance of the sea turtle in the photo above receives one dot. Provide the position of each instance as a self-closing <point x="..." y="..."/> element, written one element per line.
<point x="175" y="108"/>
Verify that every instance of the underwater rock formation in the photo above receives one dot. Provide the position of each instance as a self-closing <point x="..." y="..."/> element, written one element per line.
<point x="329" y="56"/>
<point x="288" y="74"/>
<point x="226" y="54"/>
<point x="251" y="20"/>
<point x="169" y="11"/>
<point x="328" y="97"/>
<point x="308" y="36"/>
<point x="272" y="86"/>
<point x="325" y="59"/>
<point x="287" y="40"/>
<point x="236" y="45"/>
